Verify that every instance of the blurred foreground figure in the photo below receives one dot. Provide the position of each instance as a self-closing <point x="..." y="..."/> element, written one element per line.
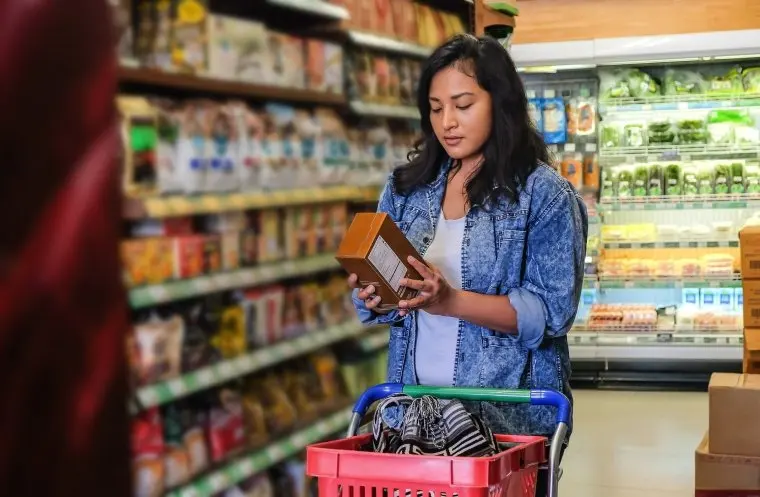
<point x="63" y="421"/>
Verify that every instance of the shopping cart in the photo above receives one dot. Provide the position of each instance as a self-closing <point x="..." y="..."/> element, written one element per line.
<point x="343" y="469"/>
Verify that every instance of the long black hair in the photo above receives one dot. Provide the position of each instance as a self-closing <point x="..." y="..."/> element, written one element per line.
<point x="514" y="147"/>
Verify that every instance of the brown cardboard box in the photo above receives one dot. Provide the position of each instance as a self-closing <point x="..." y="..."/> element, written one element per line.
<point x="751" y="363"/>
<point x="751" y="305"/>
<point x="734" y="408"/>
<point x="717" y="475"/>
<point x="376" y="251"/>
<point x="749" y="244"/>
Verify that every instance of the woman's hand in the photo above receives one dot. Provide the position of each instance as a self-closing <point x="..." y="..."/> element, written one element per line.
<point x="371" y="301"/>
<point x="436" y="295"/>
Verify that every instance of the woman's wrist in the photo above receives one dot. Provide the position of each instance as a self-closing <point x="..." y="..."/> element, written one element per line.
<point x="452" y="307"/>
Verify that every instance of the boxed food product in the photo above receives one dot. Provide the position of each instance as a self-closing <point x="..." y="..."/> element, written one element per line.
<point x="751" y="300"/>
<point x="749" y="243"/>
<point x="188" y="36"/>
<point x="147" y="261"/>
<point x="139" y="124"/>
<point x="734" y="404"/>
<point x="225" y="430"/>
<point x="717" y="475"/>
<point x="690" y="296"/>
<point x="157" y="349"/>
<point x="376" y="251"/>
<point x="288" y="66"/>
<point x="237" y="49"/>
<point x="591" y="172"/>
<point x="189" y="256"/>
<point x="333" y="69"/>
<point x="269" y="224"/>
<point x="263" y="309"/>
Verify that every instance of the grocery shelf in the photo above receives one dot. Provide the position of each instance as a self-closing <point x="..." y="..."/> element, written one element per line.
<point x="377" y="42"/>
<point x="680" y="102"/>
<point x="375" y="341"/>
<point x="380" y="110"/>
<point x="672" y="244"/>
<point x="719" y="346"/>
<point x="183" y="205"/>
<point x="206" y="85"/>
<point x="316" y="7"/>
<point x="261" y="460"/>
<point x="661" y="152"/>
<point x="680" y="202"/>
<point x="609" y="283"/>
<point x="150" y="295"/>
<point x="210" y="376"/>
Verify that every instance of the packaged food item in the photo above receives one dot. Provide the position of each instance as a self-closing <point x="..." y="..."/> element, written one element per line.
<point x="334" y="146"/>
<point x="683" y="82"/>
<point x="737" y="178"/>
<point x="167" y="133"/>
<point x="323" y="239"/>
<point x="718" y="265"/>
<point x="382" y="19"/>
<point x="230" y="339"/>
<point x="288" y="66"/>
<point x="222" y="174"/>
<point x="609" y="182"/>
<point x="723" y="178"/>
<point x="308" y="133"/>
<point x="255" y="420"/>
<point x="333" y="69"/>
<point x="237" y="49"/>
<point x="292" y="314"/>
<point x="673" y="179"/>
<point x="226" y="428"/>
<point x="147" y="261"/>
<point x="640" y="180"/>
<point x="625" y="181"/>
<point x="147" y="454"/>
<point x="193" y="146"/>
<point x="299" y="234"/>
<point x="572" y="170"/>
<point x="154" y="34"/>
<point x="257" y="486"/>
<point x="535" y="110"/>
<point x="280" y="414"/>
<point x="705" y="178"/>
<point x="610" y="137"/>
<point x="634" y="135"/>
<point x="176" y="454"/>
<point x="731" y="82"/>
<point x="554" y="122"/>
<point x="249" y="128"/>
<point x="374" y="247"/>
<point x="586" y="116"/>
<point x="269" y="235"/>
<point x="189" y="256"/>
<point x="158" y="348"/>
<point x="660" y="132"/>
<point x="338" y="222"/>
<point x="249" y="247"/>
<point x="752" y="178"/>
<point x="189" y="37"/>
<point x="139" y="130"/>
<point x="627" y="82"/>
<point x="263" y="311"/>
<point x="327" y="371"/>
<point x="300" y="386"/>
<point x="403" y="23"/>
<point x="201" y="323"/>
<point x="751" y="79"/>
<point x="315" y="64"/>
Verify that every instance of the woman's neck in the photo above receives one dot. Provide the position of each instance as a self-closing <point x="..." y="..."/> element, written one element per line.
<point x="470" y="165"/>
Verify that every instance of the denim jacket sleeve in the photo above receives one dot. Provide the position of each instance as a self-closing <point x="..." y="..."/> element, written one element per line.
<point x="385" y="204"/>
<point x="547" y="300"/>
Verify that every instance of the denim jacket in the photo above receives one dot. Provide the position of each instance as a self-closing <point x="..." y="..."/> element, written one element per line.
<point x="533" y="251"/>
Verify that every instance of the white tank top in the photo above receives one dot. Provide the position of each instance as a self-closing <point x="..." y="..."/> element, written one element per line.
<point x="435" y="352"/>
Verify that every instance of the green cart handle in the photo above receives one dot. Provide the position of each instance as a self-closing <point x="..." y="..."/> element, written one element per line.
<point x="532" y="397"/>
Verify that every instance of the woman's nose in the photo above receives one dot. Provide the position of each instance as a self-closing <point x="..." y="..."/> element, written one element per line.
<point x="449" y="119"/>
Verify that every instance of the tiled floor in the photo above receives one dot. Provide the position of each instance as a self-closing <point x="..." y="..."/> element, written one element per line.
<point x="633" y="444"/>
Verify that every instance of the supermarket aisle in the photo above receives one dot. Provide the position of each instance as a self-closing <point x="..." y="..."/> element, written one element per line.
<point x="629" y="444"/>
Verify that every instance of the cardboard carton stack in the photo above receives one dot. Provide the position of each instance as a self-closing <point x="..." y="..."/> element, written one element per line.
<point x="749" y="239"/>
<point x="727" y="461"/>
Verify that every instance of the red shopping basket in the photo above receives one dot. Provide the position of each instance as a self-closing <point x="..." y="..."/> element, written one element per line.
<point x="344" y="468"/>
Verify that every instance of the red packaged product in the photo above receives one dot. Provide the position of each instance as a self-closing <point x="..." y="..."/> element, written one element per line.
<point x="189" y="256"/>
<point x="226" y="429"/>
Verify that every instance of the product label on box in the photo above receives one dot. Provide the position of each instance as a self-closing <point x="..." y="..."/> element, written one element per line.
<point x="387" y="263"/>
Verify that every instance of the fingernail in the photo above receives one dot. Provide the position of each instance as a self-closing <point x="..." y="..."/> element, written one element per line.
<point x="377" y="299"/>
<point x="410" y="259"/>
<point x="402" y="304"/>
<point x="371" y="289"/>
<point x="403" y="281"/>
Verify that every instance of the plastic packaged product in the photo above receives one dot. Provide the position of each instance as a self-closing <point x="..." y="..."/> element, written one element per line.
<point x="226" y="428"/>
<point x="689" y="267"/>
<point x="591" y="172"/>
<point x="158" y="349"/>
<point x="147" y="454"/>
<point x="640" y="180"/>
<point x="682" y="82"/>
<point x="673" y="178"/>
<point x="230" y="339"/>
<point x="718" y="265"/>
<point x="250" y="130"/>
<point x="625" y="181"/>
<point x="634" y="135"/>
<point x="610" y="180"/>
<point x="624" y="83"/>
<point x="751" y="79"/>
<point x="307" y="132"/>
<point x="731" y="82"/>
<point x="535" y="111"/>
<point x="691" y="131"/>
<point x="690" y="179"/>
<point x="586" y="112"/>
<point x="752" y="178"/>
<point x="193" y="148"/>
<point x="263" y="309"/>
<point x="737" y="177"/>
<point x="660" y="132"/>
<point x="280" y="413"/>
<point x="201" y="322"/>
<point x="334" y="146"/>
<point x="301" y="389"/>
<point x="554" y="121"/>
<point x="572" y="170"/>
<point x="255" y="420"/>
<point x="723" y="178"/>
<point x="738" y="299"/>
<point x="705" y="178"/>
<point x="256" y="486"/>
<point x="611" y="136"/>
<point x="176" y="455"/>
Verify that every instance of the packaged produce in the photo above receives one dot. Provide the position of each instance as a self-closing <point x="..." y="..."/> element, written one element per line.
<point x="690" y="179"/>
<point x="682" y="81"/>
<point x="572" y="170"/>
<point x="673" y="179"/>
<point x="660" y="132"/>
<point x="625" y="181"/>
<point x="655" y="188"/>
<point x="723" y="178"/>
<point x="726" y="126"/>
<point x="691" y="131"/>
<point x="554" y="121"/>
<point x="640" y="180"/>
<point x="158" y="349"/>
<point x="751" y="79"/>
<point x="731" y="82"/>
<point x="624" y="83"/>
<point x="737" y="177"/>
<point x="226" y="428"/>
<point x="610" y="137"/>
<point x="634" y="135"/>
<point x="591" y="172"/>
<point x="609" y="182"/>
<point x="706" y="178"/>
<point x="752" y="178"/>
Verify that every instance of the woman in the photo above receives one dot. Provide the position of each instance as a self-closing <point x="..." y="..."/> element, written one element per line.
<point x="503" y="236"/>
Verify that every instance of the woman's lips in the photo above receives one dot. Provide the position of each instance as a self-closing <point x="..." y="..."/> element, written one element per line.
<point x="452" y="140"/>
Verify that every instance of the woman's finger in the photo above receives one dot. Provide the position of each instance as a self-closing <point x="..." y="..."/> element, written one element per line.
<point x="353" y="281"/>
<point x="373" y="302"/>
<point x="421" y="268"/>
<point x="366" y="293"/>
<point x="403" y="312"/>
<point x="415" y="302"/>
<point x="414" y="284"/>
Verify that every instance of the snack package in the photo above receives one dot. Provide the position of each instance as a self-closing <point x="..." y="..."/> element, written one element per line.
<point x="189" y="256"/>
<point x="158" y="349"/>
<point x="238" y="49"/>
<point x="334" y="147"/>
<point x="249" y="248"/>
<point x="225" y="430"/>
<point x="222" y="174"/>
<point x="249" y="128"/>
<point x="193" y="147"/>
<point x="535" y="111"/>
<point x="167" y="134"/>
<point x="280" y="414"/>
<point x="147" y="261"/>
<point x="176" y="455"/>
<point x="255" y="420"/>
<point x="292" y="313"/>
<point x="554" y="122"/>
<point x="154" y="33"/>
<point x="230" y="339"/>
<point x="315" y="64"/>
<point x="147" y="454"/>
<point x="572" y="170"/>
<point x="327" y="370"/>
<point x="188" y="45"/>
<point x="139" y="130"/>
<point x="333" y="68"/>
<point x="591" y="172"/>
<point x="586" y="117"/>
<point x="263" y="311"/>
<point x="300" y="386"/>
<point x="201" y="323"/>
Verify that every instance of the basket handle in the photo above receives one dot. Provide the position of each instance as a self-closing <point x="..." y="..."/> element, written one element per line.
<point x="533" y="397"/>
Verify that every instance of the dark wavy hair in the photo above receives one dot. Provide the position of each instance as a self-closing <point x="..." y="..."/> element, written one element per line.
<point x="513" y="149"/>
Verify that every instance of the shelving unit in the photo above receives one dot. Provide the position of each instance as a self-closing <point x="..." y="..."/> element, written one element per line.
<point x="378" y="110"/>
<point x="323" y="9"/>
<point x="369" y="40"/>
<point x="263" y="459"/>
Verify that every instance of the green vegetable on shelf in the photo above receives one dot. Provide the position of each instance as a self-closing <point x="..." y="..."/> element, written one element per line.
<point x="655" y="180"/>
<point x="751" y="80"/>
<point x="609" y="182"/>
<point x="731" y="82"/>
<point x="690" y="124"/>
<point x="659" y="126"/>
<point x="722" y="178"/>
<point x="634" y="135"/>
<point x="640" y="181"/>
<point x="625" y="183"/>
<point x="610" y="136"/>
<point x="692" y="136"/>
<point x="706" y="179"/>
<point x="737" y="178"/>
<point x="665" y="137"/>
<point x="673" y="179"/>
<point x="752" y="178"/>
<point x="690" y="180"/>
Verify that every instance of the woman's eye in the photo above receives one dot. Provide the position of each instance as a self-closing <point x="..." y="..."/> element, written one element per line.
<point x="435" y="111"/>
<point x="464" y="107"/>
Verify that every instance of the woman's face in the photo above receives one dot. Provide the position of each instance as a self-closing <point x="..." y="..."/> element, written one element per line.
<point x="460" y="112"/>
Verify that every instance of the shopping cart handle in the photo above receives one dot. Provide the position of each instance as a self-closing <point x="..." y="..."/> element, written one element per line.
<point x="533" y="397"/>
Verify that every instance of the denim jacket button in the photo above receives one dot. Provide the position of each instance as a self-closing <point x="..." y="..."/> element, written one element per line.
<point x="426" y="239"/>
